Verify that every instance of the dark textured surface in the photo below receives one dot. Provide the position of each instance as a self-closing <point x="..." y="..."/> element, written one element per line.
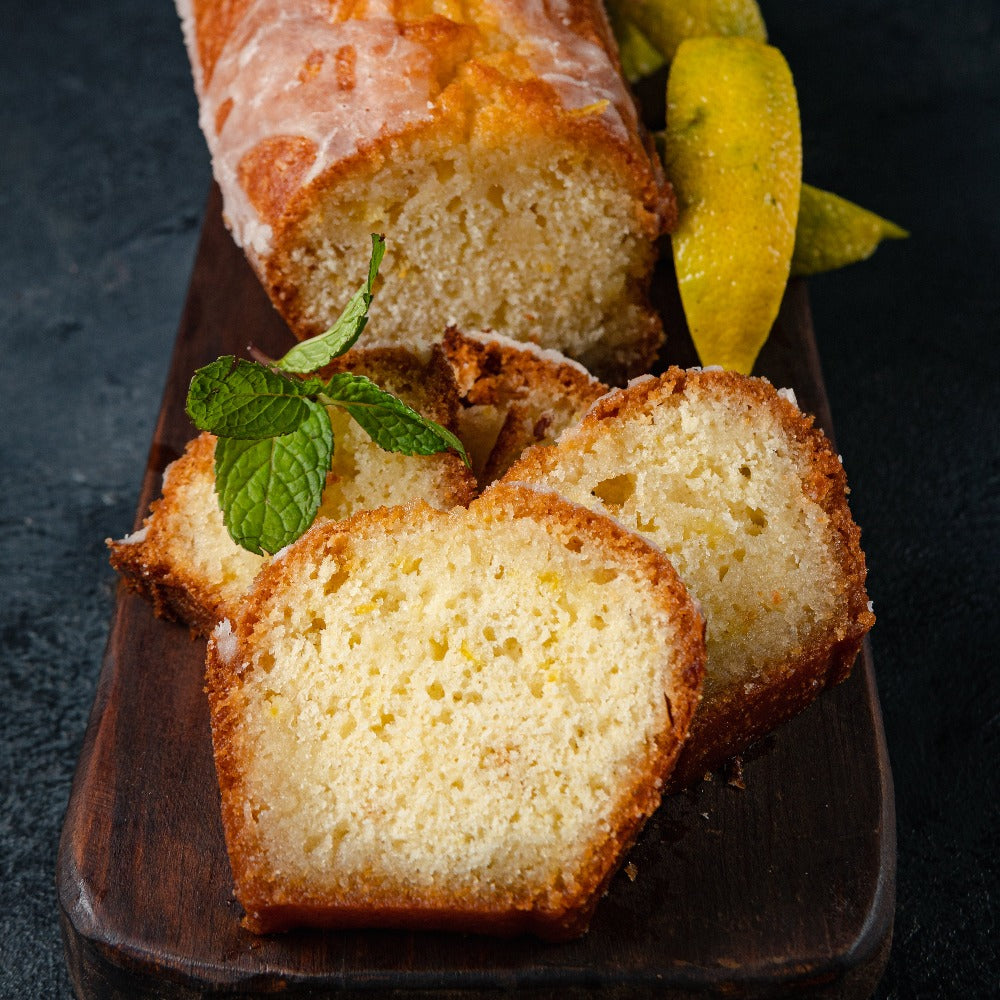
<point x="104" y="175"/>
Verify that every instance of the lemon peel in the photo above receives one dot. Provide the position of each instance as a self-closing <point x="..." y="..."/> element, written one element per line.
<point x="834" y="232"/>
<point x="733" y="148"/>
<point x="831" y="232"/>
<point x="595" y="108"/>
<point x="638" y="55"/>
<point x="665" y="23"/>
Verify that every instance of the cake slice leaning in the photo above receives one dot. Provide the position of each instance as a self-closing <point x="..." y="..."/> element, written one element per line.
<point x="452" y="720"/>
<point x="748" y="500"/>
<point x="513" y="395"/>
<point x="183" y="559"/>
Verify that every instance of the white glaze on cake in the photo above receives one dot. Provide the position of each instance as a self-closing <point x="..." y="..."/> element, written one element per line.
<point x="282" y="73"/>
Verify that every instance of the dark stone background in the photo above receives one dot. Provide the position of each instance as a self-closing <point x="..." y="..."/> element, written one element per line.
<point x="104" y="176"/>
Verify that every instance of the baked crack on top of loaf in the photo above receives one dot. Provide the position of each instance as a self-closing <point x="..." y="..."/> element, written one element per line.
<point x="451" y="720"/>
<point x="749" y="502"/>
<point x="493" y="142"/>
<point x="183" y="558"/>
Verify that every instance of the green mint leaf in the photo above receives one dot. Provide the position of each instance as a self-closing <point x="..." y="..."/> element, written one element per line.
<point x="241" y="399"/>
<point x="388" y="421"/>
<point x="270" y="490"/>
<point x="312" y="354"/>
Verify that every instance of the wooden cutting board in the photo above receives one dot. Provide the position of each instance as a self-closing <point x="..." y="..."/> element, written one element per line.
<point x="784" y="887"/>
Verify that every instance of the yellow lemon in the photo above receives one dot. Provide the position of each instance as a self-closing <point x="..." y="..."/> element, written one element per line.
<point x="833" y="232"/>
<point x="667" y="23"/>
<point x="639" y="58"/>
<point x="733" y="148"/>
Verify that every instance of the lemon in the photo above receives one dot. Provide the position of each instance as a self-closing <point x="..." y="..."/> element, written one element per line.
<point x="833" y="232"/>
<point x="733" y="148"/>
<point x="667" y="23"/>
<point x="639" y="58"/>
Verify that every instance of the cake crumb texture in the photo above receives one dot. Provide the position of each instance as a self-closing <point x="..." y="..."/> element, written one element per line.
<point x="748" y="501"/>
<point x="183" y="558"/>
<point x="463" y="735"/>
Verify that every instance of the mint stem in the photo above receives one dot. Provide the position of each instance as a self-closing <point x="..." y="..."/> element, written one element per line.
<point x="259" y="356"/>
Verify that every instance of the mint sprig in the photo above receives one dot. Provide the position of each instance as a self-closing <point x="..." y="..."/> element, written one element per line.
<point x="311" y="355"/>
<point x="388" y="421"/>
<point x="275" y="440"/>
<point x="243" y="399"/>
<point x="270" y="489"/>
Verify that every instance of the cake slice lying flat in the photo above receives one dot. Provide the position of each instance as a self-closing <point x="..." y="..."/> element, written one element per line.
<point x="748" y="501"/>
<point x="449" y="719"/>
<point x="513" y="395"/>
<point x="183" y="558"/>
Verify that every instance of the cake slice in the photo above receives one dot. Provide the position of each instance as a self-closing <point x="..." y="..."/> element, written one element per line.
<point x="496" y="146"/>
<point x="183" y="558"/>
<point x="449" y="719"/>
<point x="748" y="501"/>
<point x="513" y="395"/>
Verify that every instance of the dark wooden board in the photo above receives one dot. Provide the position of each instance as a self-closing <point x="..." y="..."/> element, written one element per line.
<point x="783" y="888"/>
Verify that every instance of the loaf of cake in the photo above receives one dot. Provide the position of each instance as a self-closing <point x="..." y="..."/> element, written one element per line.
<point x="748" y="501"/>
<point x="494" y="143"/>
<point x="183" y="558"/>
<point x="513" y="395"/>
<point x="465" y="734"/>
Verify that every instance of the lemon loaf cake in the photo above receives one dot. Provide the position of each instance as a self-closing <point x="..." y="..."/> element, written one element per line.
<point x="493" y="142"/>
<point x="183" y="558"/>
<point x="466" y="735"/>
<point x="748" y="501"/>
<point x="513" y="395"/>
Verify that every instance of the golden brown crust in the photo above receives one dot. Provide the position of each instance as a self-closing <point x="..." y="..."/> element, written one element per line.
<point x="729" y="723"/>
<point x="555" y="913"/>
<point x="492" y="370"/>
<point x="734" y="717"/>
<point x="271" y="172"/>
<point x="533" y="393"/>
<point x="148" y="566"/>
<point x="215" y="21"/>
